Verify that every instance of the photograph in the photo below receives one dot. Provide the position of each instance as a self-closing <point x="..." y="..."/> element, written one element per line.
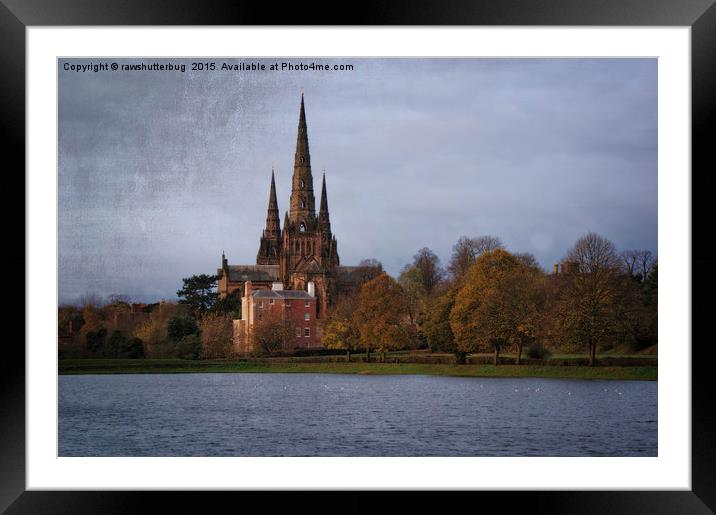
<point x="357" y="257"/>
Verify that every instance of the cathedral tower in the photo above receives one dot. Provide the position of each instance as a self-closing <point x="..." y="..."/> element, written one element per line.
<point x="302" y="210"/>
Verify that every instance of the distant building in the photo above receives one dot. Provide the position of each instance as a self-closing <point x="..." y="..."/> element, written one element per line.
<point x="566" y="267"/>
<point x="296" y="309"/>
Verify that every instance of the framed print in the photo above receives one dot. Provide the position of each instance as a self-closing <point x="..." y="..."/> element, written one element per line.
<point x="151" y="152"/>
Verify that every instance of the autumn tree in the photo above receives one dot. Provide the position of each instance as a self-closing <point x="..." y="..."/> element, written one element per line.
<point x="338" y="328"/>
<point x="270" y="334"/>
<point x="154" y="331"/>
<point x="590" y="296"/>
<point x="217" y="332"/>
<point x="497" y="306"/>
<point x="467" y="250"/>
<point x="382" y="317"/>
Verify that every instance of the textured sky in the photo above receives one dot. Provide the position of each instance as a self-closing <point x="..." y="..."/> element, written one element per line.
<point x="159" y="171"/>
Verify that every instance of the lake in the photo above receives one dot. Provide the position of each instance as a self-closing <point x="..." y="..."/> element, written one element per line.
<point x="353" y="415"/>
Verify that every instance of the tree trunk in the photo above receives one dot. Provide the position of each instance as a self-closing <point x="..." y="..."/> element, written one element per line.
<point x="519" y="354"/>
<point x="592" y="354"/>
<point x="461" y="358"/>
<point x="367" y="355"/>
<point x="348" y="355"/>
<point x="382" y="356"/>
<point x="497" y="355"/>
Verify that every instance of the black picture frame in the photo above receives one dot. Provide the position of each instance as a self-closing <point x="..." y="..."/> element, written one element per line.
<point x="16" y="15"/>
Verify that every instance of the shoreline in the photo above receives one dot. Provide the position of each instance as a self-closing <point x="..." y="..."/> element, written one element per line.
<point x="175" y="366"/>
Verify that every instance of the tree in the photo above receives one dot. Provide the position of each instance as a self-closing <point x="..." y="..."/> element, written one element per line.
<point x="431" y="271"/>
<point x="382" y="317"/>
<point x="637" y="263"/>
<point x="154" y="332"/>
<point x="270" y="334"/>
<point x="116" y="344"/>
<point x="589" y="297"/>
<point x="338" y="329"/>
<point x="437" y="326"/>
<point x="467" y="250"/>
<point x="93" y="321"/>
<point x="198" y="293"/>
<point x="179" y="327"/>
<point x="229" y="305"/>
<point x="95" y="340"/>
<point x="497" y="306"/>
<point x="217" y="332"/>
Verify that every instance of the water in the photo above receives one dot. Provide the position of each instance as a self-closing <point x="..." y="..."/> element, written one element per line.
<point x="353" y="415"/>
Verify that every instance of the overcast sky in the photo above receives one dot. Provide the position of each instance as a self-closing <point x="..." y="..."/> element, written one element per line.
<point x="159" y="171"/>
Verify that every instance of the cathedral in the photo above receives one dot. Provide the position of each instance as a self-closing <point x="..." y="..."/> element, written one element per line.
<point x="303" y="254"/>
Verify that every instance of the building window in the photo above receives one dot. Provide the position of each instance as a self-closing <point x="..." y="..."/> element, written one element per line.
<point x="271" y="301"/>
<point x="261" y="304"/>
<point x="260" y="315"/>
<point x="307" y="332"/>
<point x="287" y="303"/>
<point x="307" y="316"/>
<point x="307" y="303"/>
<point x="302" y="227"/>
<point x="303" y="204"/>
<point x="298" y="332"/>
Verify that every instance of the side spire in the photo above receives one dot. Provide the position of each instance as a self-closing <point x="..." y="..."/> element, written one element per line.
<point x="273" y="222"/>
<point x="324" y="220"/>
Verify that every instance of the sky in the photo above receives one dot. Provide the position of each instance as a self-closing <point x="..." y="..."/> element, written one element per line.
<point x="161" y="170"/>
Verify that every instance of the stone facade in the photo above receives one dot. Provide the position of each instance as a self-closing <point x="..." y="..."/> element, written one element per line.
<point x="303" y="251"/>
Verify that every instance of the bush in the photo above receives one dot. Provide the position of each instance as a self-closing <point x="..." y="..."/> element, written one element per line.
<point x="538" y="351"/>
<point x="95" y="340"/>
<point x="179" y="327"/>
<point x="189" y="347"/>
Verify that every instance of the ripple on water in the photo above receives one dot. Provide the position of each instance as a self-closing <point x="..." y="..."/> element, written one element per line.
<point x="344" y="415"/>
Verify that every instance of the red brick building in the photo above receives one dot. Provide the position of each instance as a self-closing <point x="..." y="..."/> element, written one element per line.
<point x="297" y="309"/>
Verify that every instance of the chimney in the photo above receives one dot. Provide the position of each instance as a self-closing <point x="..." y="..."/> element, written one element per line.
<point x="555" y="270"/>
<point x="247" y="289"/>
<point x="311" y="288"/>
<point x="277" y="286"/>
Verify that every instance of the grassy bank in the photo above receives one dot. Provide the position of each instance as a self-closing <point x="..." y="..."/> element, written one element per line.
<point x="171" y="366"/>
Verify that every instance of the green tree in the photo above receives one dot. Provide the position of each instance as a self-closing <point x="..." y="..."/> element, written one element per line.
<point x="198" y="293"/>
<point x="497" y="306"/>
<point x="181" y="326"/>
<point x="189" y="347"/>
<point x="95" y="340"/>
<point x="382" y="317"/>
<point x="437" y="326"/>
<point x="116" y="344"/>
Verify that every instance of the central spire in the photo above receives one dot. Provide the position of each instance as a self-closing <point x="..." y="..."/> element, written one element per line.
<point x="303" y="205"/>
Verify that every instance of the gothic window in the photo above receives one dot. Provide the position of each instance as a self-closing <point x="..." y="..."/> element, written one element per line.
<point x="301" y="163"/>
<point x="303" y="184"/>
<point x="303" y="204"/>
<point x="302" y="227"/>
